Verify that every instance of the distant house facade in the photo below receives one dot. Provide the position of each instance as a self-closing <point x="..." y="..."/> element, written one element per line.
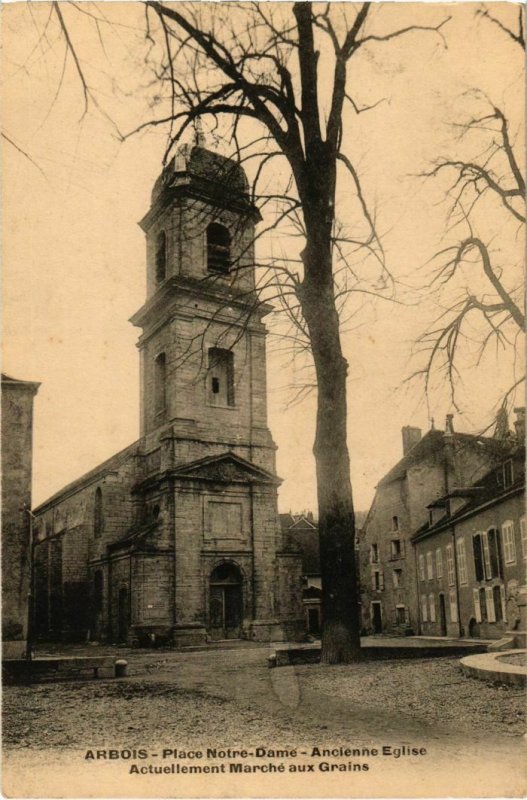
<point x="17" y="456"/>
<point x="472" y="556"/>
<point x="430" y="467"/>
<point x="302" y="531"/>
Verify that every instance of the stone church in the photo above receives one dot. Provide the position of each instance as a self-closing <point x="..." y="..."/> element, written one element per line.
<point x="176" y="539"/>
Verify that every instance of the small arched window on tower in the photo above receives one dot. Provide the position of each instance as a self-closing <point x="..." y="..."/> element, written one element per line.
<point x="220" y="379"/>
<point x="98" y="520"/>
<point x="161" y="256"/>
<point x="218" y="248"/>
<point x="160" y="381"/>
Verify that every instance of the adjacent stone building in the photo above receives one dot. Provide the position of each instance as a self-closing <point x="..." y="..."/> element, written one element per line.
<point x="17" y="459"/>
<point x="177" y="538"/>
<point x="472" y="556"/>
<point x="431" y="466"/>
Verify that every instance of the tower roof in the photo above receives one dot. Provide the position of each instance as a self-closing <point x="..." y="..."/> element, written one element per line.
<point x="203" y="168"/>
<point x="197" y="172"/>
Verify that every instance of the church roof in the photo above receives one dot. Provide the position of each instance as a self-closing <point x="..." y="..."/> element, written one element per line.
<point x="203" y="167"/>
<point x="95" y="474"/>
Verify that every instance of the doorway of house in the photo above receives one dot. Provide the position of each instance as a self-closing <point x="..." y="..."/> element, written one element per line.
<point x="123" y="615"/>
<point x="376" y="614"/>
<point x="225" y="602"/>
<point x="442" y="614"/>
<point x="313" y="620"/>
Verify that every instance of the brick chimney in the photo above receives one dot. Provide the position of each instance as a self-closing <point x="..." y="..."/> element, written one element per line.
<point x="519" y="424"/>
<point x="410" y="437"/>
<point x="502" y="424"/>
<point x="449" y="425"/>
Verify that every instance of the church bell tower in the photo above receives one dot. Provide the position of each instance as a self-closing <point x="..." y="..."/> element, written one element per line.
<point x="208" y="459"/>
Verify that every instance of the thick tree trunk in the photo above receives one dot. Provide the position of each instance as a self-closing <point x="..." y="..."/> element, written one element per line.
<point x="340" y="608"/>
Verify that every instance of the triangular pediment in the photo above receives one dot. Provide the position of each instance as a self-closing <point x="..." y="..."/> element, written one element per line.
<point x="225" y="468"/>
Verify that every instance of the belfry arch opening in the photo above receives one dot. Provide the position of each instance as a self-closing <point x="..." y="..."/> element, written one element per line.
<point x="218" y="248"/>
<point x="225" y="602"/>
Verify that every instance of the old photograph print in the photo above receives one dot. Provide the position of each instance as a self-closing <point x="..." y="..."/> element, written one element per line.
<point x="263" y="417"/>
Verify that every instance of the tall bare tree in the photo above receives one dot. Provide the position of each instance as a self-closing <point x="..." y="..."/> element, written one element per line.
<point x="266" y="62"/>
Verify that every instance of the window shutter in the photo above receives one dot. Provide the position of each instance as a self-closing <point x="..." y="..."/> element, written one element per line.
<point x="381" y="580"/>
<point x="477" y="607"/>
<point x="432" y="608"/>
<point x="424" y="608"/>
<point x="478" y="557"/>
<point x="452" y="596"/>
<point x="503" y="603"/>
<point x="491" y="615"/>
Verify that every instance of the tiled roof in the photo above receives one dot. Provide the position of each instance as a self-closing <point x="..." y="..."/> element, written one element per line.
<point x="489" y="488"/>
<point x="433" y="442"/>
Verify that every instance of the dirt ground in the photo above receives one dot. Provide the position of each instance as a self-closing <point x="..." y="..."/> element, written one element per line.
<point x="200" y="697"/>
<point x="471" y="731"/>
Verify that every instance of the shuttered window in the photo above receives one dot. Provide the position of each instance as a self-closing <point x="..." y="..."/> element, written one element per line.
<point x="489" y="602"/>
<point x="439" y="563"/>
<point x="424" y="608"/>
<point x="509" y="547"/>
<point x="430" y="565"/>
<point x="478" y="557"/>
<point x="523" y="532"/>
<point x="432" y="604"/>
<point x="422" y="575"/>
<point x="461" y="562"/>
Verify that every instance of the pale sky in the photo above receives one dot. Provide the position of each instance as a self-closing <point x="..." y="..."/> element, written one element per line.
<point x="74" y="257"/>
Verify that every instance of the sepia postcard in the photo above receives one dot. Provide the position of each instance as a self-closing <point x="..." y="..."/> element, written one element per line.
<point x="263" y="416"/>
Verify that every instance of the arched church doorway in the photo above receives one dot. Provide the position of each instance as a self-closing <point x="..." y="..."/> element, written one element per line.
<point x="225" y="602"/>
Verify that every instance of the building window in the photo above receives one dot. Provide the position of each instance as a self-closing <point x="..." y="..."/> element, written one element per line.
<point x="509" y="547"/>
<point x="483" y="604"/>
<point x="400" y="615"/>
<point x="451" y="575"/>
<point x="161" y="256"/>
<point x="487" y="555"/>
<point x="462" y="562"/>
<point x="452" y="598"/>
<point x="218" y="248"/>
<point x="422" y="574"/>
<point x="429" y="565"/>
<point x="498" y="610"/>
<point x="98" y="521"/>
<point x="432" y="603"/>
<point x="374" y="554"/>
<point x="395" y="523"/>
<point x="478" y="557"/>
<point x="424" y="608"/>
<point x="489" y="603"/>
<point x="439" y="563"/>
<point x="396" y="549"/>
<point x="221" y="377"/>
<point x="508" y="474"/>
<point x="523" y="532"/>
<point x="397" y="578"/>
<point x="377" y="580"/>
<point x="160" y="379"/>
